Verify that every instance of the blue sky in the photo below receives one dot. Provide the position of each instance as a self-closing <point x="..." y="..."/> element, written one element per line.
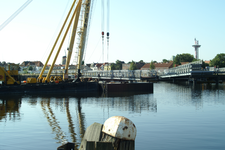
<point x="139" y="30"/>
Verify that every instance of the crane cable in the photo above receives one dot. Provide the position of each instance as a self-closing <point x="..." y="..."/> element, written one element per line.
<point x="103" y="16"/>
<point x="108" y="6"/>
<point x="15" y="14"/>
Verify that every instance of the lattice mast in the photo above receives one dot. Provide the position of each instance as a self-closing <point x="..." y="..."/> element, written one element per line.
<point x="83" y="33"/>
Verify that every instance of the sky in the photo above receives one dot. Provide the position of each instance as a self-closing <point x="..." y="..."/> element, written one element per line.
<point x="139" y="30"/>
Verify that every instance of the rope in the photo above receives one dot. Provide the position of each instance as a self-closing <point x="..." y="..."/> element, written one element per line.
<point x="103" y="21"/>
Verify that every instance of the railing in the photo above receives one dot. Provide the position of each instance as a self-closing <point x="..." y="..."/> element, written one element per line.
<point x="182" y="69"/>
<point x="120" y="74"/>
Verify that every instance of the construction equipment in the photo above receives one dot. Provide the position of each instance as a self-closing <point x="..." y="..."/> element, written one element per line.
<point x="82" y="13"/>
<point x="10" y="76"/>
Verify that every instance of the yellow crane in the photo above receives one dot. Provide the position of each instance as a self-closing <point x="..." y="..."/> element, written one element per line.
<point x="10" y="76"/>
<point x="82" y="32"/>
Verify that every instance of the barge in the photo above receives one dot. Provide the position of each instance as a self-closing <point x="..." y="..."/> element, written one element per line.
<point x="73" y="87"/>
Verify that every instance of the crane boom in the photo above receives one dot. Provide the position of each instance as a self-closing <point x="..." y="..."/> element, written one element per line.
<point x="15" y="14"/>
<point x="83" y="35"/>
<point x="85" y="4"/>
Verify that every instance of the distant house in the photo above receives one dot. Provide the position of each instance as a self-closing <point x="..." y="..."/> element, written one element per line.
<point x="36" y="65"/>
<point x="127" y="66"/>
<point x="86" y="68"/>
<point x="207" y="61"/>
<point x="32" y="63"/>
<point x="100" y="66"/>
<point x="159" y="67"/>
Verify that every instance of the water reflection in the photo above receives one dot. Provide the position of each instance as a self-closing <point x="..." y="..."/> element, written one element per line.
<point x="189" y="94"/>
<point x="53" y="123"/>
<point x="54" y="106"/>
<point x="64" y="104"/>
<point x="9" y="109"/>
<point x="68" y="115"/>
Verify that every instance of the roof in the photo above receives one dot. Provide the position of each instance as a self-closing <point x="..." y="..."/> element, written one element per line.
<point x="36" y="63"/>
<point x="207" y="61"/>
<point x="159" y="65"/>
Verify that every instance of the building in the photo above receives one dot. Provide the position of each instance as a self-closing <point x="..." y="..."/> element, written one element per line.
<point x="64" y="60"/>
<point x="159" y="67"/>
<point x="107" y="66"/>
<point x="127" y="66"/>
<point x="32" y="63"/>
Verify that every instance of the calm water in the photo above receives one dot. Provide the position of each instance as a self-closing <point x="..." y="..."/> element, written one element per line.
<point x="173" y="117"/>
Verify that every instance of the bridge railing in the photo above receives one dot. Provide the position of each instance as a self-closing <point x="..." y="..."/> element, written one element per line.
<point x="119" y="74"/>
<point x="182" y="69"/>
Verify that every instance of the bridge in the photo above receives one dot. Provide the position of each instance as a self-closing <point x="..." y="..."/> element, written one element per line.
<point x="126" y="75"/>
<point x="188" y="72"/>
<point x="191" y="72"/>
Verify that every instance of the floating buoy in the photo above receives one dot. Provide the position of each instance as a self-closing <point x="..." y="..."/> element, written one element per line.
<point x="24" y="81"/>
<point x="56" y="81"/>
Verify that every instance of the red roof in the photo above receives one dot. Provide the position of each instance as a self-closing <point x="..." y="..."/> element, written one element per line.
<point x="159" y="65"/>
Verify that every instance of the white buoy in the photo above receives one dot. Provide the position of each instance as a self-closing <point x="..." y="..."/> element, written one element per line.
<point x="120" y="127"/>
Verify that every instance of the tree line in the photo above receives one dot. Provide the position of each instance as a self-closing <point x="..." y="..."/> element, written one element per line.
<point x="217" y="61"/>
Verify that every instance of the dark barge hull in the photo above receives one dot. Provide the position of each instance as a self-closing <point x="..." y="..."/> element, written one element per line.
<point x="50" y="88"/>
<point x="79" y="87"/>
<point x="146" y="87"/>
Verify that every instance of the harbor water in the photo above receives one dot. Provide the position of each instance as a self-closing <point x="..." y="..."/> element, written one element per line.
<point x="173" y="117"/>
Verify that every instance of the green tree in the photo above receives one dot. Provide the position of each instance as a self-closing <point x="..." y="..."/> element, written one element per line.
<point x="185" y="57"/>
<point x="165" y="60"/>
<point x="204" y="64"/>
<point x="113" y="66"/>
<point x="152" y="66"/>
<point x="133" y="66"/>
<point x="218" y="60"/>
<point x="141" y="62"/>
<point x="118" y="65"/>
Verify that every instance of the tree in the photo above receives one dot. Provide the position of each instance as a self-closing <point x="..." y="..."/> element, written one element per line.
<point x="218" y="60"/>
<point x="204" y="64"/>
<point x="133" y="66"/>
<point x="113" y="66"/>
<point x="141" y="62"/>
<point x="152" y="66"/>
<point x="185" y="57"/>
<point x="165" y="60"/>
<point x="118" y="65"/>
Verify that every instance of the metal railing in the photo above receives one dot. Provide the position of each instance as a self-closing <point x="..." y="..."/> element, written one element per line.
<point x="120" y="74"/>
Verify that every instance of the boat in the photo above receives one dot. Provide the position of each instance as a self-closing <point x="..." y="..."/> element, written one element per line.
<point x="80" y="11"/>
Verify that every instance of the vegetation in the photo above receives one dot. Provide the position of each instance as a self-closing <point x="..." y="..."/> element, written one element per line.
<point x="133" y="66"/>
<point x="204" y="64"/>
<point x="141" y="62"/>
<point x="113" y="66"/>
<point x="185" y="57"/>
<point x="152" y="66"/>
<point x="218" y="60"/>
<point x="165" y="60"/>
<point x="117" y="66"/>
